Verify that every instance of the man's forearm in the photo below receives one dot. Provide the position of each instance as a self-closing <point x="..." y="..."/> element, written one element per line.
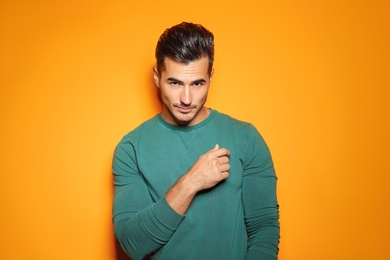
<point x="180" y="195"/>
<point x="148" y="230"/>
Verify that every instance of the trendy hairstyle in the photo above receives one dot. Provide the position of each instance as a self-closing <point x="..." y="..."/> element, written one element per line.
<point x="184" y="43"/>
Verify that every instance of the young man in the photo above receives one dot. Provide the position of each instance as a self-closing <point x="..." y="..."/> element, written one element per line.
<point x="193" y="183"/>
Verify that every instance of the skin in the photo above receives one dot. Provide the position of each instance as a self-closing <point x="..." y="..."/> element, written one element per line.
<point x="184" y="89"/>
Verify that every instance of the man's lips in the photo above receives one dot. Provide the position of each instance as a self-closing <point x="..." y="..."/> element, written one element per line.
<point x="185" y="109"/>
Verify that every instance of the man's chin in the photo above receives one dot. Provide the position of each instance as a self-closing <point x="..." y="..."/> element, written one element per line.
<point x="183" y="121"/>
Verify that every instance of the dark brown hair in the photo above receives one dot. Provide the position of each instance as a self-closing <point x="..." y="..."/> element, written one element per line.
<point x="184" y="43"/>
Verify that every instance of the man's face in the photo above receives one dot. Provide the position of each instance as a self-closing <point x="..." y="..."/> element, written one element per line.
<point x="183" y="90"/>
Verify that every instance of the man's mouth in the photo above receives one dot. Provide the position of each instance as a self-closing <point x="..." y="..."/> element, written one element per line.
<point x="184" y="109"/>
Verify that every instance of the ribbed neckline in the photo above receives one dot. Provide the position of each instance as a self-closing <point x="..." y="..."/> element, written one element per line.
<point x="186" y="128"/>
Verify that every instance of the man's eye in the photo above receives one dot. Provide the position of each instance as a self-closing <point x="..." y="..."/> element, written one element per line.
<point x="174" y="83"/>
<point x="198" y="84"/>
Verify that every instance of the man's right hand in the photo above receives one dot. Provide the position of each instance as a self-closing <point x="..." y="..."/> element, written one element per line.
<point x="210" y="168"/>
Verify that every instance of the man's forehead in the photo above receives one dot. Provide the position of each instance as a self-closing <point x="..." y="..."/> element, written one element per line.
<point x="199" y="66"/>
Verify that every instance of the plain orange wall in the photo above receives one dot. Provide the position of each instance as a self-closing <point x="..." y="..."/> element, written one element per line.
<point x="313" y="76"/>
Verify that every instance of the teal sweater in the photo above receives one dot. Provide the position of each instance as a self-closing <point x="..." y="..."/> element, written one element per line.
<point x="237" y="219"/>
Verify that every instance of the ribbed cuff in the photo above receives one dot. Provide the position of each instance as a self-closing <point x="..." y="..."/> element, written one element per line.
<point x="166" y="214"/>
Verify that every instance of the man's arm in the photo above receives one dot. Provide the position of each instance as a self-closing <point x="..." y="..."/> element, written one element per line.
<point x="142" y="226"/>
<point x="259" y="200"/>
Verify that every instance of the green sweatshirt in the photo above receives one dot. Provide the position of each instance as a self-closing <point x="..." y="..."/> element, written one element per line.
<point x="236" y="219"/>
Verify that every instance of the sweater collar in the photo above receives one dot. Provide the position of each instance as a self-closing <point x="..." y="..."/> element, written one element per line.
<point x="186" y="128"/>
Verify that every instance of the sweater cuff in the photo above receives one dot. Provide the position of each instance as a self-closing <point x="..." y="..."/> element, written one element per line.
<point x="164" y="212"/>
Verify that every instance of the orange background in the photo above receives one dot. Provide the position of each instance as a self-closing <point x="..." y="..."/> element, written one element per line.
<point x="312" y="76"/>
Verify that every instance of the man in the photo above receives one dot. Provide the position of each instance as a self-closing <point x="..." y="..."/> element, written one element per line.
<point x="193" y="183"/>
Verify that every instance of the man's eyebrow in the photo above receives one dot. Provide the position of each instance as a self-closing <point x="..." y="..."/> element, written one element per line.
<point x="171" y="79"/>
<point x="199" y="81"/>
<point x="174" y="80"/>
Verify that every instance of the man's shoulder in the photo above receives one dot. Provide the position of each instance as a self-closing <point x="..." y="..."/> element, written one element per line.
<point x="231" y="121"/>
<point x="236" y="127"/>
<point x="135" y="133"/>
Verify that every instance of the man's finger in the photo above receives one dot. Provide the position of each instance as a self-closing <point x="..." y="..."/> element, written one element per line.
<point x="222" y="152"/>
<point x="223" y="159"/>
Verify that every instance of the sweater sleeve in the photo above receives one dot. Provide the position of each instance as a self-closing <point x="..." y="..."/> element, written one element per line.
<point x="259" y="199"/>
<point x="141" y="225"/>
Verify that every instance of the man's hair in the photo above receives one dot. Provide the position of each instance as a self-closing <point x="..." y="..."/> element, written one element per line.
<point x="184" y="43"/>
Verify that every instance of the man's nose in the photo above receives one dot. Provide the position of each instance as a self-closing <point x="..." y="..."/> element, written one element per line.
<point x="186" y="96"/>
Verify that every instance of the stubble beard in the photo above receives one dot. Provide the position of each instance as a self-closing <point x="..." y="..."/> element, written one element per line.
<point x="183" y="119"/>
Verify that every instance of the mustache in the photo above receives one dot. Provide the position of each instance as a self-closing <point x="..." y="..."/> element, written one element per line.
<point x="185" y="106"/>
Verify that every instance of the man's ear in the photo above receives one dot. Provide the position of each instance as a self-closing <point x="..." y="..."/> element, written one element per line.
<point x="156" y="77"/>
<point x="211" y="75"/>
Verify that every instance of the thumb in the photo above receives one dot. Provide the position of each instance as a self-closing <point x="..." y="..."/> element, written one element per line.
<point x="216" y="147"/>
